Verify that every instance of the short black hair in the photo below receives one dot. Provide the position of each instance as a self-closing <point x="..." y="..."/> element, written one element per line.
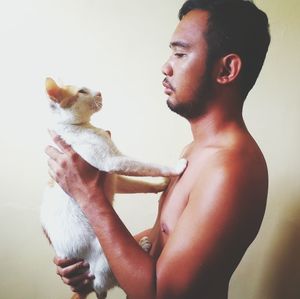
<point x="235" y="26"/>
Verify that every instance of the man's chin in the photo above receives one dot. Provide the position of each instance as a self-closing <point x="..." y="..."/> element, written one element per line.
<point x="171" y="105"/>
<point x="175" y="107"/>
<point x="188" y="111"/>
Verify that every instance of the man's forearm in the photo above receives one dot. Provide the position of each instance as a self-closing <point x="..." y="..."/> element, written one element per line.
<point x="133" y="268"/>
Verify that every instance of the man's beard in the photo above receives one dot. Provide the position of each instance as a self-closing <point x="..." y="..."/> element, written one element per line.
<point x="198" y="105"/>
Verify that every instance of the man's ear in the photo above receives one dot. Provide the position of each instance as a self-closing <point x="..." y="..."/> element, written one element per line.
<point x="229" y="68"/>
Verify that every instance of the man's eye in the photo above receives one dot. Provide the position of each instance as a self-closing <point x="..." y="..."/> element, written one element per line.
<point x="179" y="55"/>
<point x="84" y="91"/>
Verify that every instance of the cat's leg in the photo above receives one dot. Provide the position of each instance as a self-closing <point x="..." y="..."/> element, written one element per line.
<point x="129" y="166"/>
<point x="128" y="185"/>
<point x="115" y="162"/>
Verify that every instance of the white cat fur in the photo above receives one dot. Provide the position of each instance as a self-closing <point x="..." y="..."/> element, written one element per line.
<point x="62" y="219"/>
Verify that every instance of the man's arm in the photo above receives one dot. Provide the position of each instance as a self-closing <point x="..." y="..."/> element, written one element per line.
<point x="221" y="219"/>
<point x="75" y="272"/>
<point x="133" y="268"/>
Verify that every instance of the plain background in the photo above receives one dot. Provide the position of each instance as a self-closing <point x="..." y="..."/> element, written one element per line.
<point x="119" y="47"/>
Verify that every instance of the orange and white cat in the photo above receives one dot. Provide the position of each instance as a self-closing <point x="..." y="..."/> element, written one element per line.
<point x="64" y="223"/>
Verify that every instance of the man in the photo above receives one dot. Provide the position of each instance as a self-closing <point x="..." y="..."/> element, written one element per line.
<point x="207" y="217"/>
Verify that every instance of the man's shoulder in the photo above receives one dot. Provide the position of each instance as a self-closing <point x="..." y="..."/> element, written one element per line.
<point x="238" y="166"/>
<point x="233" y="185"/>
<point x="245" y="154"/>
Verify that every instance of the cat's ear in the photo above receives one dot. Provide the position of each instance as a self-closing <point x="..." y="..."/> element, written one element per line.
<point x="68" y="101"/>
<point x="53" y="90"/>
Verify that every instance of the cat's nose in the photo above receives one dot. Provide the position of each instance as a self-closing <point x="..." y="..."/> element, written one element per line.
<point x="98" y="94"/>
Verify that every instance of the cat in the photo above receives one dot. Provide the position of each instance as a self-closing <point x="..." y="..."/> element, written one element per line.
<point x="64" y="224"/>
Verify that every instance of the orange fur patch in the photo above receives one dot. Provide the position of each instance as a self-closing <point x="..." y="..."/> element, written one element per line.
<point x="65" y="96"/>
<point x="68" y="102"/>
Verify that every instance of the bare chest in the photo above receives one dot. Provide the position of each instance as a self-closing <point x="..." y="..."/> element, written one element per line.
<point x="172" y="205"/>
<point x="174" y="201"/>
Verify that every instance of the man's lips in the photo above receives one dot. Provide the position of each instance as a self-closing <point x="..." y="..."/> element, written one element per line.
<point x="168" y="87"/>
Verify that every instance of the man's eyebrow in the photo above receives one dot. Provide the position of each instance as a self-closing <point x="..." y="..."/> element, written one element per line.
<point x="179" y="44"/>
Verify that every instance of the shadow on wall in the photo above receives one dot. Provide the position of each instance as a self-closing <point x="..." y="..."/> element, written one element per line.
<point x="280" y="273"/>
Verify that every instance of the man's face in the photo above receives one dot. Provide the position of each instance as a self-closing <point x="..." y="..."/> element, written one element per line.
<point x="188" y="82"/>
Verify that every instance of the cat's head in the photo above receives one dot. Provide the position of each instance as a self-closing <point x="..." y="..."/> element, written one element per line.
<point x="72" y="105"/>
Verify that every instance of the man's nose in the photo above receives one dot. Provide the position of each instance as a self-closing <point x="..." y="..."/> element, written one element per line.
<point x="167" y="69"/>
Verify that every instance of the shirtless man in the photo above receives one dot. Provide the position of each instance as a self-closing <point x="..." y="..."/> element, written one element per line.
<point x="209" y="216"/>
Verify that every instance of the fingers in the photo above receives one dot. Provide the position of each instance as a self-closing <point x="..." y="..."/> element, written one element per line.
<point x="53" y="162"/>
<point x="71" y="269"/>
<point x="78" y="281"/>
<point x="75" y="273"/>
<point x="57" y="158"/>
<point x="61" y="262"/>
<point x="53" y="153"/>
<point x="62" y="145"/>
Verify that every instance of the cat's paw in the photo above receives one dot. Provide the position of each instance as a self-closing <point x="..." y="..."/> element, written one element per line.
<point x="181" y="166"/>
<point x="145" y="244"/>
<point x="161" y="186"/>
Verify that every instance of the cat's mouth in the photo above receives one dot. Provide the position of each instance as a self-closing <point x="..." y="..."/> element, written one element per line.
<point x="97" y="102"/>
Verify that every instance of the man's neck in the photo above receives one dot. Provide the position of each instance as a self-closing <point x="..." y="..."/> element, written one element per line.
<point x="218" y="119"/>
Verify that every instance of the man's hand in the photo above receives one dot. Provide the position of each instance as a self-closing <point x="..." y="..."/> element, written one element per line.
<point x="76" y="177"/>
<point x="75" y="273"/>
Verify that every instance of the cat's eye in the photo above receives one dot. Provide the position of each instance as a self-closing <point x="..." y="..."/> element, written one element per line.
<point x="83" y="90"/>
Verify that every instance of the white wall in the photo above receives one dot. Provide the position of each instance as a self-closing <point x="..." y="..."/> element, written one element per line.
<point x="118" y="47"/>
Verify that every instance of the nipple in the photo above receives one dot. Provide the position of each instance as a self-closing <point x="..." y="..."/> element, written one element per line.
<point x="164" y="228"/>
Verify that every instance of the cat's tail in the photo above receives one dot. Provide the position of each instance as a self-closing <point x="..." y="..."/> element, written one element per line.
<point x="84" y="296"/>
<point x="79" y="296"/>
